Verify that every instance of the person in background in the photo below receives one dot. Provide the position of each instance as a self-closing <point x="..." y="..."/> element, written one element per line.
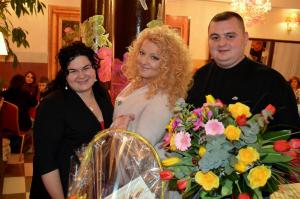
<point x="30" y="85"/>
<point x="232" y="77"/>
<point x="295" y="85"/>
<point x="24" y="101"/>
<point x="76" y="109"/>
<point x="159" y="70"/>
<point x="43" y="86"/>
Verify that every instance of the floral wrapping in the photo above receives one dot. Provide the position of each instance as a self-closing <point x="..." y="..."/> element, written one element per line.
<point x="116" y="164"/>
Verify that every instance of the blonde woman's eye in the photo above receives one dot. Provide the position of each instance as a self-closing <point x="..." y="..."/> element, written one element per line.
<point x="141" y="52"/>
<point x="155" y="58"/>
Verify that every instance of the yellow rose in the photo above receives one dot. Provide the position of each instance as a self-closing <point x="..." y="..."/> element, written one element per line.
<point x="202" y="151"/>
<point x="232" y="132"/>
<point x="207" y="180"/>
<point x="172" y="143"/>
<point x="210" y="99"/>
<point x="170" y="161"/>
<point x="258" y="176"/>
<point x="239" y="109"/>
<point x="240" y="167"/>
<point x="248" y="155"/>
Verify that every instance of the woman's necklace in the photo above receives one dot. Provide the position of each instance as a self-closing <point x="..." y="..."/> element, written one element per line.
<point x="91" y="108"/>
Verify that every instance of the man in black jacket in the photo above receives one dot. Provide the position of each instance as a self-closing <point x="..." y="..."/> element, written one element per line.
<point x="232" y="77"/>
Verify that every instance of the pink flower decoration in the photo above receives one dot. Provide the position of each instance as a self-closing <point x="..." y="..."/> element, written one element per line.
<point x="104" y="72"/>
<point x="104" y="52"/>
<point x="182" y="141"/>
<point x="214" y="127"/>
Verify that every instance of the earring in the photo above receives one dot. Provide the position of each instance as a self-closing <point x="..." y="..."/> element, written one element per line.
<point x="66" y="87"/>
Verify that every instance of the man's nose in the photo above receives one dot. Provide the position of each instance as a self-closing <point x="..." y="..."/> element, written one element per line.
<point x="222" y="41"/>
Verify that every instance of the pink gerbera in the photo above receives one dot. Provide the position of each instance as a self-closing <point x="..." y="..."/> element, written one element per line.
<point x="214" y="127"/>
<point x="182" y="141"/>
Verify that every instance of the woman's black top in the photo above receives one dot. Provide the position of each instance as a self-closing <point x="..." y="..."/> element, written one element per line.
<point x="63" y="123"/>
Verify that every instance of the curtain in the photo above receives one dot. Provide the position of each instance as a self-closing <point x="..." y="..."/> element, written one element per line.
<point x="286" y="59"/>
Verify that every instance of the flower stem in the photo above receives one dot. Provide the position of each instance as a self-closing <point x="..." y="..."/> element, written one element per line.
<point x="238" y="186"/>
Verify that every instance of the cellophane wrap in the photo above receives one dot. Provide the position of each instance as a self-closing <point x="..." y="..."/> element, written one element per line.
<point x="116" y="164"/>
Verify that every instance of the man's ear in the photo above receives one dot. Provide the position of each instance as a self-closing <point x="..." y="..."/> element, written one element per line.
<point x="246" y="38"/>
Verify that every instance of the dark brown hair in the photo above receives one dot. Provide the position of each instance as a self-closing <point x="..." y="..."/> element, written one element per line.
<point x="223" y="16"/>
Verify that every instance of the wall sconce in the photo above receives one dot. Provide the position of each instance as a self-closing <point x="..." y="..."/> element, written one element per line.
<point x="3" y="50"/>
<point x="291" y="22"/>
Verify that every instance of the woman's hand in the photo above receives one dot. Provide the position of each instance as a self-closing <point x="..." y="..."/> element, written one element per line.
<point x="122" y="121"/>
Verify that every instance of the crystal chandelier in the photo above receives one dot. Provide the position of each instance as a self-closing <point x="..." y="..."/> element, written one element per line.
<point x="252" y="11"/>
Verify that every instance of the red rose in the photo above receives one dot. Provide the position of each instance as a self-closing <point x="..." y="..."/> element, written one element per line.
<point x="294" y="143"/>
<point x="271" y="109"/>
<point x="281" y="146"/>
<point x="244" y="196"/>
<point x="241" y="120"/>
<point x="293" y="155"/>
<point x="166" y="175"/>
<point x="181" y="184"/>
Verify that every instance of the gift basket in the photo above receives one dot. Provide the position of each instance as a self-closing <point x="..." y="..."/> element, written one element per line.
<point x="116" y="164"/>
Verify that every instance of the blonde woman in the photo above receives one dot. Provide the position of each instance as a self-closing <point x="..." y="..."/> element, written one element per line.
<point x="159" y="70"/>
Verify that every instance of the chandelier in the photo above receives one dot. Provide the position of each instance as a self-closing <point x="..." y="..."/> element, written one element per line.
<point x="252" y="11"/>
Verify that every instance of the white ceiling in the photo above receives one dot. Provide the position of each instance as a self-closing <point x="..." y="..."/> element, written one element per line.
<point x="292" y="4"/>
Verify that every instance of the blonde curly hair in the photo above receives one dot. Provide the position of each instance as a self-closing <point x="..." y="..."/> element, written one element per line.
<point x="175" y="68"/>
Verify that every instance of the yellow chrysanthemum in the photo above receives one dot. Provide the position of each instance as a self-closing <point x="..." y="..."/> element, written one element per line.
<point x="169" y="126"/>
<point x="239" y="109"/>
<point x="232" y="133"/>
<point x="240" y="167"/>
<point x="170" y="161"/>
<point x="248" y="155"/>
<point x="258" y="176"/>
<point x="210" y="99"/>
<point x="172" y="143"/>
<point x="201" y="151"/>
<point x="207" y="180"/>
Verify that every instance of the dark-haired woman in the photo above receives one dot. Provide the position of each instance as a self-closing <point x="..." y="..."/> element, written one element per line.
<point x="30" y="85"/>
<point x="67" y="118"/>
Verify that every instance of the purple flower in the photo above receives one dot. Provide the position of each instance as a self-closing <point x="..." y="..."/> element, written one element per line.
<point x="198" y="111"/>
<point x="209" y="114"/>
<point x="197" y="124"/>
<point x="176" y="123"/>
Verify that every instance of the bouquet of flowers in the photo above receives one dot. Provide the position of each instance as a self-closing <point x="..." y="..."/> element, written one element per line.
<point x="220" y="151"/>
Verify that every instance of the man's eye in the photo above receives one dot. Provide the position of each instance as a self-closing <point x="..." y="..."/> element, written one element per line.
<point x="230" y="36"/>
<point x="214" y="38"/>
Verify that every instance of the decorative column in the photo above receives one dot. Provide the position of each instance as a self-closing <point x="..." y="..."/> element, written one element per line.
<point x="131" y="17"/>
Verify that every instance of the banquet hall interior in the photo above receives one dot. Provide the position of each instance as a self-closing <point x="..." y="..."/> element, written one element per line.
<point x="276" y="34"/>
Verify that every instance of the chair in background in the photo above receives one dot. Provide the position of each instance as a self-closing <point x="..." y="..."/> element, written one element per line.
<point x="9" y="123"/>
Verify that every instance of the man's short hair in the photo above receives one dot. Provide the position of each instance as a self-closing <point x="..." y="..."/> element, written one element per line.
<point x="223" y="16"/>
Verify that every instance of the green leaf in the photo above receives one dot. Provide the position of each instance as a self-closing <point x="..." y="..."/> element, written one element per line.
<point x="257" y="194"/>
<point x="272" y="136"/>
<point x="275" y="157"/>
<point x="227" y="188"/>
